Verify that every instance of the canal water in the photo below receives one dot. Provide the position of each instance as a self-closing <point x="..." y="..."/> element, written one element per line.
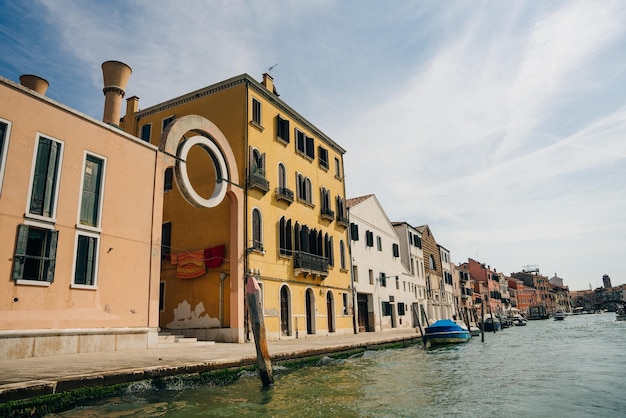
<point x="570" y="368"/>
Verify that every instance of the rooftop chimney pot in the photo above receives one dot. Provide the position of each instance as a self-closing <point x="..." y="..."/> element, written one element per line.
<point x="115" y="75"/>
<point x="34" y="82"/>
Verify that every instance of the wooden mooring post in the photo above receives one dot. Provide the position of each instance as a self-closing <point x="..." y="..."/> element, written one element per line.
<point x="258" y="329"/>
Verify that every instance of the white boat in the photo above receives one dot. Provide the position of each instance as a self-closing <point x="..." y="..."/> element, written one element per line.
<point x="620" y="315"/>
<point x="559" y="316"/>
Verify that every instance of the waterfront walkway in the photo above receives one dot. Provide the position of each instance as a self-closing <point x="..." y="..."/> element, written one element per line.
<point x="35" y="376"/>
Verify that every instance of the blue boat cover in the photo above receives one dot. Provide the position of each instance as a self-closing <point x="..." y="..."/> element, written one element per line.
<point x="443" y="325"/>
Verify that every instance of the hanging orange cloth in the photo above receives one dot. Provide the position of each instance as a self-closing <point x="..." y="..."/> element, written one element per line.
<point x="190" y="264"/>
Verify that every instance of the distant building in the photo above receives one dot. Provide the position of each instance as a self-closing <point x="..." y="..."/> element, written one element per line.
<point x="606" y="280"/>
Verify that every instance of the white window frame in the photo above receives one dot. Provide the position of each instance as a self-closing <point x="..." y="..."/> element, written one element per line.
<point x="94" y="286"/>
<point x="27" y="213"/>
<point x="4" y="150"/>
<point x="98" y="227"/>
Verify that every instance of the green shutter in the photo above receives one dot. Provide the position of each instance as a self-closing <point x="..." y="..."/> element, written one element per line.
<point x="50" y="179"/>
<point x="20" y="252"/>
<point x="52" y="253"/>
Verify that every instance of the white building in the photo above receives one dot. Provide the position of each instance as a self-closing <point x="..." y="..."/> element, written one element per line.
<point x="385" y="290"/>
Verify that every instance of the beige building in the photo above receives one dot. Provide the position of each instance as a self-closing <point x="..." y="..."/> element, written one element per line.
<point x="80" y="217"/>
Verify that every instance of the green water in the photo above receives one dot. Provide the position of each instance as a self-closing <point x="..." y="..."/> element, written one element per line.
<point x="571" y="368"/>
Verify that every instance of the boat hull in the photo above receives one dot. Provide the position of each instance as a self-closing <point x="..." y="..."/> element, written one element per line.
<point x="447" y="338"/>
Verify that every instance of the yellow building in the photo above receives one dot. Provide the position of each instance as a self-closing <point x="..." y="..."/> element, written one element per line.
<point x="254" y="190"/>
<point x="80" y="225"/>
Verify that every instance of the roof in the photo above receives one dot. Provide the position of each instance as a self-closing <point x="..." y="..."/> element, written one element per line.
<point x="356" y="200"/>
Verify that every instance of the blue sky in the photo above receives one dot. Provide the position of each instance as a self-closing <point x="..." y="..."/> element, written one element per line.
<point x="502" y="125"/>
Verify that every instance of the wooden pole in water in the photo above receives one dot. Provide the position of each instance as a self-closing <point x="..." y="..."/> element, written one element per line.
<point x="258" y="329"/>
<point x="482" y="319"/>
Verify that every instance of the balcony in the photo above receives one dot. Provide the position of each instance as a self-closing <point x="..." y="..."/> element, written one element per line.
<point x="256" y="180"/>
<point x="307" y="263"/>
<point x="327" y="214"/>
<point x="343" y="221"/>
<point x="283" y="193"/>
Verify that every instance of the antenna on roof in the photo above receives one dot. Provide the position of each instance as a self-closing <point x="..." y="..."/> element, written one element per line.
<point x="269" y="70"/>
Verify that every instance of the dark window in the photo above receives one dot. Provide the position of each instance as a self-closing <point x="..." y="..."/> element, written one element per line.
<point x="145" y="132"/>
<point x="282" y="129"/>
<point x="337" y="168"/>
<point x="257" y="238"/>
<point x="383" y="279"/>
<point x="396" y="250"/>
<point x="304" y="144"/>
<point x="256" y="111"/>
<point x="401" y="308"/>
<point x="369" y="238"/>
<point x="45" y="177"/>
<point x="354" y="232"/>
<point x="387" y="308"/>
<point x="35" y="254"/>
<point x="169" y="179"/>
<point x="92" y="185"/>
<point x="323" y="157"/>
<point x="285" y="237"/>
<point x="379" y="243"/>
<point x="4" y="142"/>
<point x="161" y="296"/>
<point x="166" y="239"/>
<point x="86" y="253"/>
<point x="166" y="122"/>
<point x="342" y="254"/>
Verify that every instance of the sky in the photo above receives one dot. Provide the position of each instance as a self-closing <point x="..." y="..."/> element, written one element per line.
<point x="501" y="125"/>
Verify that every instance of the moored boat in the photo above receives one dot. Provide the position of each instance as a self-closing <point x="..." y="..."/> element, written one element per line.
<point x="445" y="331"/>
<point x="491" y="325"/>
<point x="620" y="315"/>
<point x="559" y="316"/>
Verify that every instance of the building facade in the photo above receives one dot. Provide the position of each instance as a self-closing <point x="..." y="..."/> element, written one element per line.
<point x="80" y="262"/>
<point x="258" y="194"/>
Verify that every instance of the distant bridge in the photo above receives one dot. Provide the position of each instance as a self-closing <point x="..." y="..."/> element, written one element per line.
<point x="605" y="303"/>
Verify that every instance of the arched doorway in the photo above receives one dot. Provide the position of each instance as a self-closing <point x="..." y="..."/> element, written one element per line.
<point x="285" y="311"/>
<point x="310" y="312"/>
<point x="330" y="311"/>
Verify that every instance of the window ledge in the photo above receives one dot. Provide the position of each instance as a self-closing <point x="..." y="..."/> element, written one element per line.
<point x="88" y="228"/>
<point x="27" y="282"/>
<point x="282" y="140"/>
<point x="39" y="221"/>
<point x="257" y="125"/>
<point x="307" y="203"/>
<point x="83" y="287"/>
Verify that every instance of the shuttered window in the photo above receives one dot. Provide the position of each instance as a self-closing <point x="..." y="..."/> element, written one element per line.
<point x="282" y="129"/>
<point x="92" y="191"/>
<point x="45" y="177"/>
<point x="86" y="255"/>
<point x="35" y="254"/>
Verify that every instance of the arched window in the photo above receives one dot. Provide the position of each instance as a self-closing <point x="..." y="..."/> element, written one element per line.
<point x="433" y="266"/>
<point x="282" y="176"/>
<point x="284" y="234"/>
<point x="342" y="254"/>
<point x="257" y="228"/>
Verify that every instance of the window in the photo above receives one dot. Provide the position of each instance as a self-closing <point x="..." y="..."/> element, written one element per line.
<point x="397" y="283"/>
<point x="90" y="202"/>
<point x="166" y="239"/>
<point x="35" y="254"/>
<point x="322" y="156"/>
<point x="257" y="226"/>
<point x="417" y="241"/>
<point x="341" y="210"/>
<point x="355" y="273"/>
<point x="326" y="211"/>
<point x="282" y="176"/>
<point x="386" y="307"/>
<point x="371" y="276"/>
<point x="342" y="254"/>
<point x="337" y="168"/>
<point x="168" y="180"/>
<point x="285" y="237"/>
<point x="354" y="232"/>
<point x="45" y="178"/>
<point x="257" y="163"/>
<point x="345" y="303"/>
<point x="432" y="266"/>
<point x="304" y="144"/>
<point x="383" y="279"/>
<point x="282" y="129"/>
<point x="5" y="129"/>
<point x="401" y="308"/>
<point x="161" y="296"/>
<point x="379" y="243"/>
<point x="85" y="266"/>
<point x="145" y="132"/>
<point x="369" y="238"/>
<point x="304" y="189"/>
<point x="166" y="122"/>
<point x="256" y="112"/>
<point x="396" y="250"/>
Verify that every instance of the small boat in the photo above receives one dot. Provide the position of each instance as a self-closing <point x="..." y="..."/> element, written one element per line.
<point x="445" y="331"/>
<point x="491" y="325"/>
<point x="474" y="331"/>
<point x="518" y="321"/>
<point x="559" y="316"/>
<point x="620" y="315"/>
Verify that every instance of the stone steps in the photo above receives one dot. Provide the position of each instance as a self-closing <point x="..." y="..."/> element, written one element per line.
<point x="169" y="340"/>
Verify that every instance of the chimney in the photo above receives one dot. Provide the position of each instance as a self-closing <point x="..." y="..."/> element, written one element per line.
<point x="34" y="82"/>
<point x="268" y="82"/>
<point x="115" y="75"/>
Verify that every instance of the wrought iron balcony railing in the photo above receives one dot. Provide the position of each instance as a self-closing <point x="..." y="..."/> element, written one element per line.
<point x="327" y="213"/>
<point x="283" y="193"/>
<point x="308" y="263"/>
